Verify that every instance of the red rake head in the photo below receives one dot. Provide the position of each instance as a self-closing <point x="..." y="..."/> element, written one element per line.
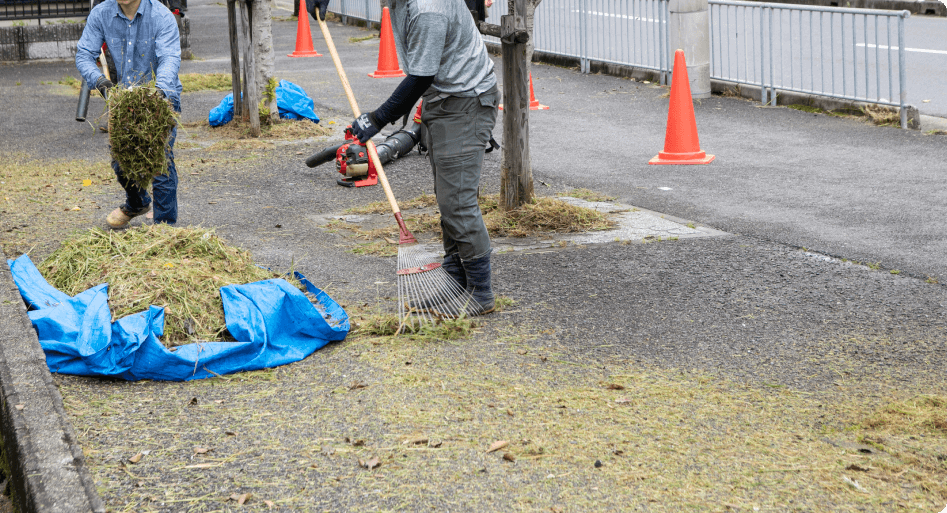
<point x="417" y="270"/>
<point x="406" y="236"/>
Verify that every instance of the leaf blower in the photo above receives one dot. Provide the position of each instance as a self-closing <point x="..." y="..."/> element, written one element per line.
<point x="351" y="157"/>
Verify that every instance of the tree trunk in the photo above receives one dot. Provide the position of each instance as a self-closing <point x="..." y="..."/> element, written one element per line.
<point x="531" y="45"/>
<point x="516" y="180"/>
<point x="252" y="95"/>
<point x="264" y="56"/>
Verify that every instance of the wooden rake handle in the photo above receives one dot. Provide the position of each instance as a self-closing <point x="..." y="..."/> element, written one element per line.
<point x="372" y="153"/>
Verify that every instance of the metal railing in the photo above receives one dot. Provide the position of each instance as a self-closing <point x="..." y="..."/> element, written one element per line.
<point x="43" y="9"/>
<point x="365" y="10"/>
<point x="848" y="54"/>
<point x="624" y="32"/>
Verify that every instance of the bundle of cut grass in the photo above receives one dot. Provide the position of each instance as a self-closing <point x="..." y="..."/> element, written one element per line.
<point x="140" y="122"/>
<point x="180" y="269"/>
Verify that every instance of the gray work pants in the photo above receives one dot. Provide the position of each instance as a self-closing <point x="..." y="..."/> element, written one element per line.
<point x="458" y="130"/>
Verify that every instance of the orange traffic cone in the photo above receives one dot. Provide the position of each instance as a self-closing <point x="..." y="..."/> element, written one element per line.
<point x="681" y="145"/>
<point x="304" y="38"/>
<point x="533" y="102"/>
<point x="387" y="55"/>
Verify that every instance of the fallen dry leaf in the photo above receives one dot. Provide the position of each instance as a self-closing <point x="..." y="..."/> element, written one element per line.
<point x="20" y="407"/>
<point x="498" y="445"/>
<point x="521" y="351"/>
<point x="201" y="450"/>
<point x="136" y="458"/>
<point x="269" y="504"/>
<point x="613" y="386"/>
<point x="240" y="498"/>
<point x="370" y="464"/>
<point x="509" y="456"/>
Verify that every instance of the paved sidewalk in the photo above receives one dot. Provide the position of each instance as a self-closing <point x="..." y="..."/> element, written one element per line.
<point x="798" y="204"/>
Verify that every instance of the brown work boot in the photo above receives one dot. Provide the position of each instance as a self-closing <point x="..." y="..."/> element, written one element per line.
<point x="121" y="216"/>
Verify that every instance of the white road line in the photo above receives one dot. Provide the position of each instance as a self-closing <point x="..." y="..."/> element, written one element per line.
<point x="919" y="50"/>
<point x="612" y="15"/>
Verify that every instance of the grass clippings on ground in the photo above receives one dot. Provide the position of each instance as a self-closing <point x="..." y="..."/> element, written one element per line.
<point x="236" y="134"/>
<point x="43" y="201"/>
<point x="541" y="217"/>
<point x="587" y="195"/>
<point x="382" y="422"/>
<point x="193" y="82"/>
<point x="879" y="115"/>
<point x="140" y="121"/>
<point x="544" y="215"/>
<point x="180" y="269"/>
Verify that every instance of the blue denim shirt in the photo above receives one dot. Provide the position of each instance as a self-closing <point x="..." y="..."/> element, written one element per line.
<point x="148" y="45"/>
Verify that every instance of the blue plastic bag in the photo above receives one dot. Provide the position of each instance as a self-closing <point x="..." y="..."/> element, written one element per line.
<point x="274" y="324"/>
<point x="291" y="100"/>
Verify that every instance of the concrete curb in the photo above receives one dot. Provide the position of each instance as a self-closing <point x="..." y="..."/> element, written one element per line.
<point x="719" y="86"/>
<point x="40" y="453"/>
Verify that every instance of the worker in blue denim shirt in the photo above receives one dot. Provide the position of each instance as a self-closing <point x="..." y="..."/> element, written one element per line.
<point x="143" y="37"/>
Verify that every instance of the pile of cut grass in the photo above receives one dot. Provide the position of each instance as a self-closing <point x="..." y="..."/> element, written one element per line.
<point x="140" y="123"/>
<point x="181" y="269"/>
<point x="542" y="215"/>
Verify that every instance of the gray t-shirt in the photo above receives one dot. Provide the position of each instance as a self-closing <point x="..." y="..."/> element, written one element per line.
<point x="439" y="38"/>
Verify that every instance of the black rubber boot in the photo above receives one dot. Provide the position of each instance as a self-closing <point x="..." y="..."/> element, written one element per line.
<point x="455" y="269"/>
<point x="479" y="284"/>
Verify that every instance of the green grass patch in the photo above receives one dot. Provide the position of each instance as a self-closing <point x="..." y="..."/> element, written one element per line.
<point x="71" y="81"/>
<point x="806" y="108"/>
<point x="588" y="195"/>
<point x="193" y="82"/>
<point x="362" y="38"/>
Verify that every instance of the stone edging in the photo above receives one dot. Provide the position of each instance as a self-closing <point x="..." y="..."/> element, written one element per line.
<point x="40" y="453"/>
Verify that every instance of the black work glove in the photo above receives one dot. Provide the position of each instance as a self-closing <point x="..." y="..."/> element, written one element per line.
<point x="323" y="5"/>
<point x="365" y="127"/>
<point x="103" y="85"/>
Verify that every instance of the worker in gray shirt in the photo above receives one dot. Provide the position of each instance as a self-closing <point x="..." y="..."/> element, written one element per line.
<point x="447" y="64"/>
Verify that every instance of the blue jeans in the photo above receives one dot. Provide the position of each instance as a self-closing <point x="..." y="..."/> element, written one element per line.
<point x="163" y="187"/>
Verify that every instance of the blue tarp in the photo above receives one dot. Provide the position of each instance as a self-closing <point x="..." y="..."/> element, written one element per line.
<point x="273" y="322"/>
<point x="291" y="100"/>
